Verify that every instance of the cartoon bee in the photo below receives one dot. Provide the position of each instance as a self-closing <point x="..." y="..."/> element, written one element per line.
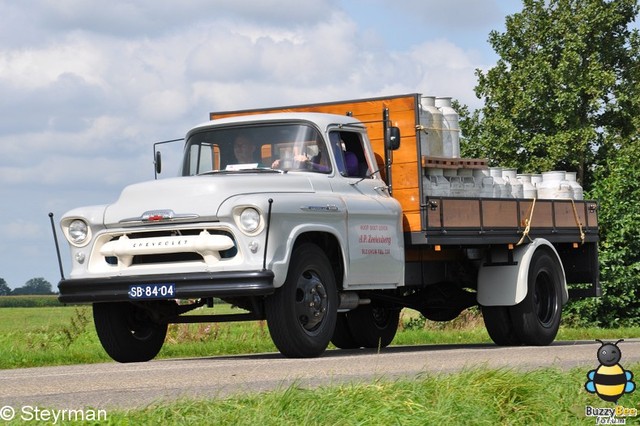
<point x="609" y="381"/>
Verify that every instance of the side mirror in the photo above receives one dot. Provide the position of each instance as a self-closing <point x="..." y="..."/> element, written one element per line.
<point x="158" y="163"/>
<point x="392" y="138"/>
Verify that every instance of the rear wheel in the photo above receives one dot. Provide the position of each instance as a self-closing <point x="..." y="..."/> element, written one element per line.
<point x="342" y="337"/>
<point x="373" y="325"/>
<point x="537" y="318"/>
<point x="127" y="332"/>
<point x="301" y="314"/>
<point x="497" y="320"/>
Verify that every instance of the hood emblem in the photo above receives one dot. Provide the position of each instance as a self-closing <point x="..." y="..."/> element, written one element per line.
<point x="159" y="216"/>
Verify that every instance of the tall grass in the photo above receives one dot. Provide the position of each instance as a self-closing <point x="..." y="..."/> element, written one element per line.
<point x="29" y="301"/>
<point x="472" y="397"/>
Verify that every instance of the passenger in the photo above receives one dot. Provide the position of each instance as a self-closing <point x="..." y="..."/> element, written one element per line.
<point x="318" y="163"/>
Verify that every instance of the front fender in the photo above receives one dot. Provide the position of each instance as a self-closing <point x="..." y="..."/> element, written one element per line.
<point x="292" y="215"/>
<point x="502" y="283"/>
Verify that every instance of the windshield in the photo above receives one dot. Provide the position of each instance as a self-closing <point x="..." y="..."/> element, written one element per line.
<point x="272" y="146"/>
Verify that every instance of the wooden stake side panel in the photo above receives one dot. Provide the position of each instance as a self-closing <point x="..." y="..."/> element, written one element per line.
<point x="484" y="215"/>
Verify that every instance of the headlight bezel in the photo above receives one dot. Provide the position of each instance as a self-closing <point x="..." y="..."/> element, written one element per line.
<point x="78" y="232"/>
<point x="249" y="220"/>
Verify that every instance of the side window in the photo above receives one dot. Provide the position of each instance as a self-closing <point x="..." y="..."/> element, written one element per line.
<point x="203" y="158"/>
<point x="349" y="153"/>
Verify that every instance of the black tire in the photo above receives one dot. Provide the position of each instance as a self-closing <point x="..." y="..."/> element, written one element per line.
<point x="537" y="318"/>
<point x="126" y="331"/>
<point x="301" y="314"/>
<point x="342" y="337"/>
<point x="497" y="320"/>
<point x="373" y="326"/>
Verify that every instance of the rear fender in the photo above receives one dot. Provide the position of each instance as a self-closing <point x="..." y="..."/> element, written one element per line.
<point x="502" y="283"/>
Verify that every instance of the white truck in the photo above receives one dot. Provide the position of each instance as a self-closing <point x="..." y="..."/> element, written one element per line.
<point x="318" y="219"/>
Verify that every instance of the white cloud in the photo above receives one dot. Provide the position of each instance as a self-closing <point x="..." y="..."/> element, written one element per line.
<point x="447" y="70"/>
<point x="38" y="67"/>
<point x="21" y="229"/>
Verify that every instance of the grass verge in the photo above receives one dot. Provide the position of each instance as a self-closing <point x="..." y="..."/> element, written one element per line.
<point x="472" y="397"/>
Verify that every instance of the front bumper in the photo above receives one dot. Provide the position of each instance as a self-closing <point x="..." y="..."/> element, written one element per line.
<point x="187" y="286"/>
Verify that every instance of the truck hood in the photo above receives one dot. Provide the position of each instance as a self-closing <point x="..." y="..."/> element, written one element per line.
<point x="197" y="195"/>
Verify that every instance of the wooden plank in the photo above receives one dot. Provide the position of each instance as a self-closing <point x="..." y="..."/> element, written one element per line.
<point x="439" y="163"/>
<point x="453" y="163"/>
<point x="461" y="213"/>
<point x="499" y="214"/>
<point x="405" y="175"/>
<point x="565" y="214"/>
<point x="542" y="213"/>
<point x="405" y="120"/>
<point x="412" y="222"/>
<point x="358" y="107"/>
<point x="409" y="199"/>
<point x="434" y="220"/>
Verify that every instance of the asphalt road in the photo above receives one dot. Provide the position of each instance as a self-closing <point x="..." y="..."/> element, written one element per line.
<point x="112" y="385"/>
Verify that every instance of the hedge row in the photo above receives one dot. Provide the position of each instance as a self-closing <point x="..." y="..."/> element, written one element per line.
<point x="29" y="301"/>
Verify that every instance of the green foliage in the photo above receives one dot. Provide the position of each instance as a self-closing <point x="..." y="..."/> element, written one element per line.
<point x="29" y="301"/>
<point x="34" y="286"/>
<point x="4" y="287"/>
<point x="618" y="190"/>
<point x="564" y="89"/>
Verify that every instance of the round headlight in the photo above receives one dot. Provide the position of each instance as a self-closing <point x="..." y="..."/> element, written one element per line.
<point x="78" y="231"/>
<point x="249" y="220"/>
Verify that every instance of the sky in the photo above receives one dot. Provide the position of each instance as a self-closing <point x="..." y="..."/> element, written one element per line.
<point x="86" y="87"/>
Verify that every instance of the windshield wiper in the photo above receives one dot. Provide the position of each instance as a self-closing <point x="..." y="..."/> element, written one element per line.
<point x="241" y="171"/>
<point x="368" y="176"/>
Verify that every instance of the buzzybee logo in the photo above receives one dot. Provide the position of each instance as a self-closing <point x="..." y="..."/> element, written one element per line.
<point x="609" y="381"/>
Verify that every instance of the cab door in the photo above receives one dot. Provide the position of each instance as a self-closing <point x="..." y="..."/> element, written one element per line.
<point x="374" y="219"/>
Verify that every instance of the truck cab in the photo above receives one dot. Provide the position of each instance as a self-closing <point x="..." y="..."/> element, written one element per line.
<point x="281" y="200"/>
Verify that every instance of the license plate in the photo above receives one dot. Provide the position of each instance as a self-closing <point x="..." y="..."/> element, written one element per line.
<point x="152" y="291"/>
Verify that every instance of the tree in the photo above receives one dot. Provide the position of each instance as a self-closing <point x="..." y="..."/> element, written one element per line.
<point x="565" y="94"/>
<point x="34" y="286"/>
<point x="619" y="217"/>
<point x="4" y="287"/>
<point x="562" y="94"/>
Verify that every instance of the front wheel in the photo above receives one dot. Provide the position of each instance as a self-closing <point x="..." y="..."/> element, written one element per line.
<point x="127" y="332"/>
<point x="301" y="314"/>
